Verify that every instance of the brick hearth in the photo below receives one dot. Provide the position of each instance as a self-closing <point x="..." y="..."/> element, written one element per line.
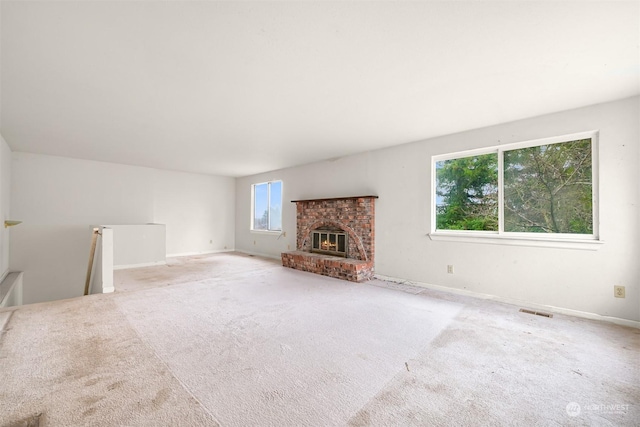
<point x="356" y="217"/>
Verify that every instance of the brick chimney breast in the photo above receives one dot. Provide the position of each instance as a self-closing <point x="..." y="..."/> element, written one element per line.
<point x="354" y="216"/>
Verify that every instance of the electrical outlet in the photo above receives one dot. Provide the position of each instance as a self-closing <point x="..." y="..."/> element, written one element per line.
<point x="450" y="269"/>
<point x="288" y="247"/>
<point x="618" y="291"/>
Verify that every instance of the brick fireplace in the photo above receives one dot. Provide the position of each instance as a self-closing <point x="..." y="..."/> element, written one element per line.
<point x="335" y="237"/>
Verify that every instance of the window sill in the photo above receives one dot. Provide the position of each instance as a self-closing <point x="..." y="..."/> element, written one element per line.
<point x="494" y="239"/>
<point x="267" y="232"/>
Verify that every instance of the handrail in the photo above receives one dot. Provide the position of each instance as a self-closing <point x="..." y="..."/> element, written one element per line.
<point x="92" y="253"/>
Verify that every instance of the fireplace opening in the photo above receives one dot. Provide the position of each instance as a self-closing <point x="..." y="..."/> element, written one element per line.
<point x="330" y="242"/>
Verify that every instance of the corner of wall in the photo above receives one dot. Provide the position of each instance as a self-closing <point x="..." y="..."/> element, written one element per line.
<point x="5" y="198"/>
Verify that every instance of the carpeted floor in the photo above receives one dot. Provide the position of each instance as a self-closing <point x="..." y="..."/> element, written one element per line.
<point x="234" y="340"/>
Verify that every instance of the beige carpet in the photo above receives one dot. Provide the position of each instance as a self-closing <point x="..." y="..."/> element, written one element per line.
<point x="237" y="341"/>
<point x="80" y="363"/>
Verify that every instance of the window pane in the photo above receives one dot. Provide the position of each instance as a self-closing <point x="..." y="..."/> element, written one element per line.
<point x="261" y="211"/>
<point x="467" y="193"/>
<point x="275" y="211"/>
<point x="548" y="188"/>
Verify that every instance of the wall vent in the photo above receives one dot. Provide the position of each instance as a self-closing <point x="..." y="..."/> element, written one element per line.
<point x="537" y="313"/>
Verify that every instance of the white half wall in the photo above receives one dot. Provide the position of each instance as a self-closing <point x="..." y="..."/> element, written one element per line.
<point x="572" y="279"/>
<point x="58" y="199"/>
<point x="138" y="245"/>
<point x="5" y="199"/>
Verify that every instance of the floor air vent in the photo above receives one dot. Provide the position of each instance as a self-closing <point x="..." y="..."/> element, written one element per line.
<point x="537" y="313"/>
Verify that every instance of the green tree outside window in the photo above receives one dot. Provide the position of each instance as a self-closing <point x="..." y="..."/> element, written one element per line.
<point x="547" y="189"/>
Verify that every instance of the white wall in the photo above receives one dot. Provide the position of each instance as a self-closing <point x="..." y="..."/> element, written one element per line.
<point x="566" y="278"/>
<point x="5" y="187"/>
<point x="59" y="198"/>
<point x="5" y="198"/>
<point x="199" y="211"/>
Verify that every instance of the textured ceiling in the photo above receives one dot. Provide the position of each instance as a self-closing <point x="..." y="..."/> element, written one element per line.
<point x="237" y="88"/>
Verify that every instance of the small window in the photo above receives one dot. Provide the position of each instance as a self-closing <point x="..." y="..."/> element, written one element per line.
<point x="536" y="188"/>
<point x="267" y="206"/>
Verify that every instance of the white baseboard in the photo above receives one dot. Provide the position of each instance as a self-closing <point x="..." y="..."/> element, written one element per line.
<point x="108" y="290"/>
<point x="217" y="251"/>
<point x="513" y="301"/>
<point x="146" y="264"/>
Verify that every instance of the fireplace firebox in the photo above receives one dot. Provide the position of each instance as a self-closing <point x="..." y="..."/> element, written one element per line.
<point x="329" y="242"/>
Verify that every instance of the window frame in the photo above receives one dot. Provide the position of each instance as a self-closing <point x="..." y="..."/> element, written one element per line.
<point x="568" y="240"/>
<point x="253" y="206"/>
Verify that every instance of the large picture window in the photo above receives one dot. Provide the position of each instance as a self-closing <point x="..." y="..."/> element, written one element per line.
<point x="267" y="206"/>
<point x="536" y="188"/>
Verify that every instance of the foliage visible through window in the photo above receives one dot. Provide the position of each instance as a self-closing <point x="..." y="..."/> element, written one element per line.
<point x="548" y="188"/>
<point x="545" y="188"/>
<point x="467" y="191"/>
<point x="267" y="206"/>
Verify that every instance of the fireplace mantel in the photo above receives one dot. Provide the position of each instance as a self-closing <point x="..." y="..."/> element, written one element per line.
<point x="335" y="198"/>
